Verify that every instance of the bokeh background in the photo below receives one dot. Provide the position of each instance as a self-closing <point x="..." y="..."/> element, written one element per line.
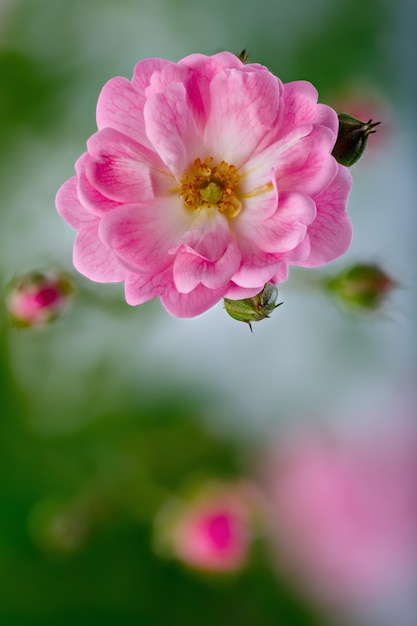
<point x="111" y="412"/>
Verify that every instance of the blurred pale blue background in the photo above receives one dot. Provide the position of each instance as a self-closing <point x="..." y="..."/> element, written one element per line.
<point x="74" y="392"/>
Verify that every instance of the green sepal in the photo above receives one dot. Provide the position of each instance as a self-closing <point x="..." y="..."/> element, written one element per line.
<point x="352" y="139"/>
<point x="253" y="309"/>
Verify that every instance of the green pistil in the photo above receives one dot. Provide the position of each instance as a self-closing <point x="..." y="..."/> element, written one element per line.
<point x="212" y="193"/>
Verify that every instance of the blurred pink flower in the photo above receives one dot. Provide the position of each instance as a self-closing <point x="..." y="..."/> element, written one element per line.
<point x="37" y="298"/>
<point x="212" y="532"/>
<point x="365" y="103"/>
<point x="343" y="516"/>
<point x="206" y="178"/>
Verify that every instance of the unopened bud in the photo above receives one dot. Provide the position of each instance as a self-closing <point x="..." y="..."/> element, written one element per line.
<point x="352" y="139"/>
<point x="37" y="298"/>
<point x="253" y="309"/>
<point x="361" y="286"/>
<point x="212" y="531"/>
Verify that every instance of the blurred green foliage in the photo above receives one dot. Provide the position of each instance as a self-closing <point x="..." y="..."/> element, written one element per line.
<point x="26" y="92"/>
<point x="76" y="522"/>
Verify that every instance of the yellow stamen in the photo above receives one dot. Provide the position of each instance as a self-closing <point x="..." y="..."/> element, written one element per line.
<point x="259" y="191"/>
<point x="205" y="185"/>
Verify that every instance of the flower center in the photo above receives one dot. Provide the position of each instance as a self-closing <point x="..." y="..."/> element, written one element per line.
<point x="205" y="185"/>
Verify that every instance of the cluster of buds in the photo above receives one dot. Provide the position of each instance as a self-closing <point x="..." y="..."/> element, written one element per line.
<point x="37" y="298"/>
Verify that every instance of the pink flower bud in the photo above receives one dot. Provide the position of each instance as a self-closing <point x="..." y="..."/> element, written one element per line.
<point x="352" y="139"/>
<point x="365" y="104"/>
<point x="37" y="298"/>
<point x="213" y="532"/>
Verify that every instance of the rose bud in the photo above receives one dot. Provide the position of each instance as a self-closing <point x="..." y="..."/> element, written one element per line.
<point x="37" y="298"/>
<point x="352" y="139"/>
<point x="211" y="532"/>
<point x="253" y="309"/>
<point x="362" y="286"/>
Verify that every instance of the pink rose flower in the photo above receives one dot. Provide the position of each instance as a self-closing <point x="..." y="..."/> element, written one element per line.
<point x="343" y="516"/>
<point x="205" y="180"/>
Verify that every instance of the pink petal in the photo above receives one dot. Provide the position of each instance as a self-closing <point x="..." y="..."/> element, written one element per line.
<point x="120" y="106"/>
<point x="300" y="107"/>
<point x="123" y="170"/>
<point x="285" y="229"/>
<point x="140" y="288"/>
<point x="307" y="166"/>
<point x="331" y="232"/>
<point x="209" y="66"/>
<point x="91" y="198"/>
<point x="235" y="292"/>
<point x="197" y="90"/>
<point x="202" y="71"/>
<point x="259" y="195"/>
<point x="144" y="71"/>
<point x="168" y="74"/>
<point x="240" y="293"/>
<point x="142" y="235"/>
<point x="257" y="170"/>
<point x="281" y="273"/>
<point x="244" y="106"/>
<point x="69" y="207"/>
<point x="326" y="116"/>
<point x="257" y="267"/>
<point x="300" y="252"/>
<point x="94" y="259"/>
<point x="258" y="208"/>
<point x="172" y="129"/>
<point x="190" y="269"/>
<point x="191" y="304"/>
